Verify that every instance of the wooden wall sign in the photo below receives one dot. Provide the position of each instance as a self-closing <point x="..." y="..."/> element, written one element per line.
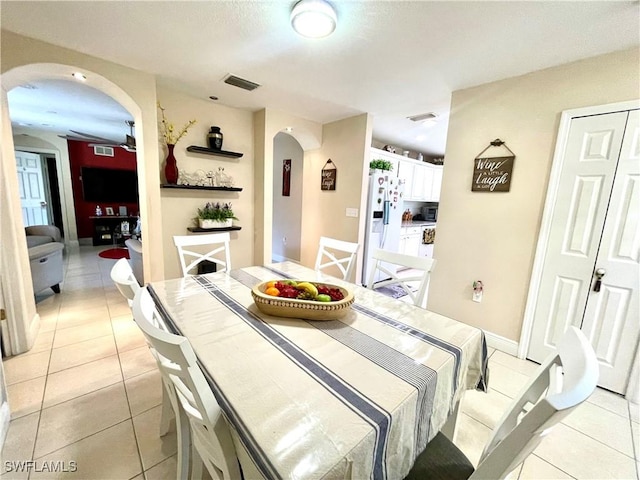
<point x="329" y="176"/>
<point x="286" y="177"/>
<point x="492" y="173"/>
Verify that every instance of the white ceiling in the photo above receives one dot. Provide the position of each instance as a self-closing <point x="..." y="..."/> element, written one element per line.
<point x="392" y="59"/>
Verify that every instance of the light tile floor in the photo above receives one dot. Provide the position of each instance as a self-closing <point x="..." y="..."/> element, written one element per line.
<point x="89" y="392"/>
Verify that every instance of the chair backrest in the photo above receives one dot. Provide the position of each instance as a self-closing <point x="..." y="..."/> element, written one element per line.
<point x="134" y="246"/>
<point x="122" y="276"/>
<point x="177" y="363"/>
<point x="565" y="380"/>
<point x="329" y="247"/>
<point x="425" y="265"/>
<point x="219" y="242"/>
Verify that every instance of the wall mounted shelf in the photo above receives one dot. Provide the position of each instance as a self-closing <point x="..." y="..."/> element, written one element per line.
<point x="201" y="187"/>
<point x="212" y="151"/>
<point x="203" y="230"/>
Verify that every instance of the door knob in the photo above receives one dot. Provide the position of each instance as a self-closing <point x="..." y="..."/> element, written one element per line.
<point x="599" y="273"/>
<point x="43" y="204"/>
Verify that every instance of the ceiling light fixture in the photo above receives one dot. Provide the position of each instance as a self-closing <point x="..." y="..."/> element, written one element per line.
<point x="79" y="76"/>
<point x="313" y="18"/>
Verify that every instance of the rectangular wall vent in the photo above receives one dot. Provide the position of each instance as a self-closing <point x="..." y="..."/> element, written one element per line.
<point x="103" y="151"/>
<point x="422" y="117"/>
<point x="240" y="82"/>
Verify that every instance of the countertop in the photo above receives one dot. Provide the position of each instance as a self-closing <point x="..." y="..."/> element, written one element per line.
<point x="418" y="223"/>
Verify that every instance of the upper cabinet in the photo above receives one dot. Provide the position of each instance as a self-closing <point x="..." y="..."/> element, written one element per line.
<point x="422" y="180"/>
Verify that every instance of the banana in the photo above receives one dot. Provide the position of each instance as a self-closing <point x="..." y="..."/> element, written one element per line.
<point x="308" y="287"/>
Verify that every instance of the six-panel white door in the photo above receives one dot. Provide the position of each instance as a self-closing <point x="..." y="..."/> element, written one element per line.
<point x="31" y="184"/>
<point x="595" y="225"/>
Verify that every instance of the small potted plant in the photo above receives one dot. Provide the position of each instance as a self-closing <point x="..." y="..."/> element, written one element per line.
<point x="216" y="215"/>
<point x="379" y="164"/>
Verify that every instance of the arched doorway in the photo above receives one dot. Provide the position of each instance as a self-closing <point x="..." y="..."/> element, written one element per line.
<point x="17" y="294"/>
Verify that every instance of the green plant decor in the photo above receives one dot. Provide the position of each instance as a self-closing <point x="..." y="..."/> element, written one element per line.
<point x="216" y="211"/>
<point x="380" y="164"/>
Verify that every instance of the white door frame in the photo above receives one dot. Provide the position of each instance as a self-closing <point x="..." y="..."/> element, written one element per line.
<point x="633" y="389"/>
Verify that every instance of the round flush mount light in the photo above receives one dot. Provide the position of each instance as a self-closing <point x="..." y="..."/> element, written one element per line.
<point x="313" y="18"/>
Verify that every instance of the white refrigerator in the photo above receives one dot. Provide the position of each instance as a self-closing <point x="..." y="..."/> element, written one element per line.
<point x="384" y="218"/>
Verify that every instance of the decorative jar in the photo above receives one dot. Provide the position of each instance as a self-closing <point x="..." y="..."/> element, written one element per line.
<point x="214" y="138"/>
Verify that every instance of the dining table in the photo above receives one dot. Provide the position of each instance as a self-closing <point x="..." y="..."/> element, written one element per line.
<point x="357" y="397"/>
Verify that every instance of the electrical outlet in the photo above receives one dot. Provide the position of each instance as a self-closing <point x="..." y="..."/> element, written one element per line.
<point x="352" y="212"/>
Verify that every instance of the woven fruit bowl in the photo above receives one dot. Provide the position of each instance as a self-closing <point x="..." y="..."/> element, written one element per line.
<point x="305" y="309"/>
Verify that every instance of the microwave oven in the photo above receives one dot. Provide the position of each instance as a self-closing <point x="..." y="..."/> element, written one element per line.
<point x="430" y="214"/>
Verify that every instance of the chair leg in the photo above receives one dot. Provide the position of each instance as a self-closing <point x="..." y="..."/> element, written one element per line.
<point x="167" y="413"/>
<point x="196" y="464"/>
<point x="184" y="447"/>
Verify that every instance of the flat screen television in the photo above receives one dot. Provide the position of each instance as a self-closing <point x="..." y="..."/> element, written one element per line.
<point x="109" y="185"/>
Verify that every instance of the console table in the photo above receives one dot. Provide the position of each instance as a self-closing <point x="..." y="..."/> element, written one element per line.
<point x="106" y="228"/>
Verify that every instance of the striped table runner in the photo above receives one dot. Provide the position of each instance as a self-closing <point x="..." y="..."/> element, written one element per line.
<point x="353" y="398"/>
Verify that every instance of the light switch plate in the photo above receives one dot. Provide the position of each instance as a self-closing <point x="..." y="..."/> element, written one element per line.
<point x="352" y="212"/>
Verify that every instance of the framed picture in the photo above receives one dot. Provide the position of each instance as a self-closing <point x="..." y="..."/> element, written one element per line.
<point x="286" y="177"/>
<point x="122" y="211"/>
<point x="109" y="211"/>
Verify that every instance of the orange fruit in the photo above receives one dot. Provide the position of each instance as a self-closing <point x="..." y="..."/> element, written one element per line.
<point x="271" y="284"/>
<point x="273" y="291"/>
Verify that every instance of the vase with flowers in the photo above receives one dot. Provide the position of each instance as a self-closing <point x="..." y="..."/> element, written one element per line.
<point x="216" y="215"/>
<point x="171" y="136"/>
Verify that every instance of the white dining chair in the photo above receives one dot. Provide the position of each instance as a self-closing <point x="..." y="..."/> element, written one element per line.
<point x="423" y="265"/>
<point x="124" y="279"/>
<point x="565" y="380"/>
<point x="220" y="248"/>
<point x="210" y="435"/>
<point x="330" y="248"/>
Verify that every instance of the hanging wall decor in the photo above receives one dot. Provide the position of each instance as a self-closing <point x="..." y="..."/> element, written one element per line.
<point x="286" y="177"/>
<point x="493" y="173"/>
<point x="329" y="176"/>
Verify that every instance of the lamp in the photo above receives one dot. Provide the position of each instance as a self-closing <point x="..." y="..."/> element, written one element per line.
<point x="313" y="18"/>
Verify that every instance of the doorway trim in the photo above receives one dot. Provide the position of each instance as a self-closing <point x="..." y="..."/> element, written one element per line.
<point x="633" y="390"/>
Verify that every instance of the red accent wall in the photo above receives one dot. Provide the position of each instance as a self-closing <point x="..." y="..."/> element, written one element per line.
<point x="81" y="155"/>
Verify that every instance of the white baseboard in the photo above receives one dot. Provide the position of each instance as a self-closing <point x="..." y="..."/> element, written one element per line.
<point x="500" y="343"/>
<point x="279" y="258"/>
<point x="85" y="241"/>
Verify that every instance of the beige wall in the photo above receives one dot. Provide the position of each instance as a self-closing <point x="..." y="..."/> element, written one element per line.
<point x="179" y="207"/>
<point x="492" y="236"/>
<point x="346" y="142"/>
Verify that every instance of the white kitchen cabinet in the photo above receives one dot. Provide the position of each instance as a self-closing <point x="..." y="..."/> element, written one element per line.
<point x="426" y="250"/>
<point x="436" y="183"/>
<point x="410" y="240"/>
<point x="421" y="179"/>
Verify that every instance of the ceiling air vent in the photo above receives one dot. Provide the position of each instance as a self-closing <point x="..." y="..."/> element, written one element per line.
<point x="241" y="82"/>
<point x="423" y="117"/>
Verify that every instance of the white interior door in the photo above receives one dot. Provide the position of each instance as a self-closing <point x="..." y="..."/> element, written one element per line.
<point x="32" y="193"/>
<point x="584" y="207"/>
<point x="612" y="316"/>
